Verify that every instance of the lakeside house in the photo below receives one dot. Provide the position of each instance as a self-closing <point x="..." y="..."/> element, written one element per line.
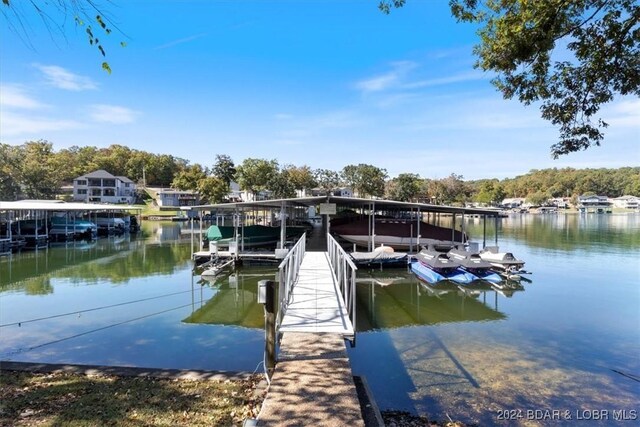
<point x="513" y="202"/>
<point x="626" y="202"/>
<point x="595" y="204"/>
<point x="317" y="191"/>
<point x="102" y="187"/>
<point x="170" y="198"/>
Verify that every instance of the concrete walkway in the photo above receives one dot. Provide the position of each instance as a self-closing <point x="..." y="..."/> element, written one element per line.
<point x="312" y="384"/>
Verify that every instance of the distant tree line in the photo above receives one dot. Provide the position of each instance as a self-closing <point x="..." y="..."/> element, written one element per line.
<point x="35" y="170"/>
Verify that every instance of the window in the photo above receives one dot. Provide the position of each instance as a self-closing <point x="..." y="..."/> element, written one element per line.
<point x="108" y="182"/>
<point x="109" y="192"/>
<point x="81" y="182"/>
<point x="126" y="184"/>
<point x="82" y="191"/>
<point x="95" y="182"/>
<point x="96" y="192"/>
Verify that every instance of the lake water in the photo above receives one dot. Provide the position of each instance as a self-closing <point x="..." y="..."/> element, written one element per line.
<point x="567" y="341"/>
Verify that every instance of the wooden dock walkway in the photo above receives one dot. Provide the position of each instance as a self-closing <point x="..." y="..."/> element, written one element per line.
<point x="316" y="303"/>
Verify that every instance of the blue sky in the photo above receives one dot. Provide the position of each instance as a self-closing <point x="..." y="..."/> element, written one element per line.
<point x="322" y="83"/>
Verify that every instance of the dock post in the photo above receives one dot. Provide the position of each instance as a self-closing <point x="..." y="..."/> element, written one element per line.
<point x="267" y="296"/>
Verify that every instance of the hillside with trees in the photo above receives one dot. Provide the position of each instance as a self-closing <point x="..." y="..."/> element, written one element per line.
<point x="35" y="170"/>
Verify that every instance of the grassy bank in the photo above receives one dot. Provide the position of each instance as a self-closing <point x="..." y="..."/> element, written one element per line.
<point x="28" y="399"/>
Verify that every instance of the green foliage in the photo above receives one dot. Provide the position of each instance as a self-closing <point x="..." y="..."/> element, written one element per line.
<point x="255" y="174"/>
<point x="569" y="182"/>
<point x="10" y="171"/>
<point x="491" y="192"/>
<point x="406" y="187"/>
<point x="224" y="168"/>
<point x="39" y="179"/>
<point x="539" y="198"/>
<point x="189" y="178"/>
<point x="449" y="190"/>
<point x="520" y="41"/>
<point x="54" y="15"/>
<point x="213" y="189"/>
<point x="301" y="177"/>
<point x="326" y="179"/>
<point x="364" y="179"/>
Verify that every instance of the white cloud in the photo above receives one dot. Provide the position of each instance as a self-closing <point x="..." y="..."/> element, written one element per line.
<point x="180" y="41"/>
<point x="63" y="79"/>
<point x="387" y="80"/>
<point x="456" y="78"/>
<point x="112" y="114"/>
<point x="623" y="113"/>
<point x="13" y="96"/>
<point x="22" y="125"/>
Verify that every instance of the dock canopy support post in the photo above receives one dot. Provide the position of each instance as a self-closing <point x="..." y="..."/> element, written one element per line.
<point x="283" y="225"/>
<point x="484" y="231"/>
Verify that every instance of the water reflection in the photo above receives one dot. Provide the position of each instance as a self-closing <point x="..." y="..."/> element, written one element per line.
<point x="555" y="346"/>
<point x="396" y="298"/>
<point x="235" y="299"/>
<point x="113" y="260"/>
<point x="129" y="301"/>
<point x="566" y="232"/>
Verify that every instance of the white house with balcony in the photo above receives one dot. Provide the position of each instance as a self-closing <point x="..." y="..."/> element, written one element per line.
<point x="626" y="202"/>
<point x="177" y="198"/>
<point x="102" y="187"/>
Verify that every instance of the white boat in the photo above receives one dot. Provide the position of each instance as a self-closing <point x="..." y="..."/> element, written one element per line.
<point x="216" y="269"/>
<point x="504" y="263"/>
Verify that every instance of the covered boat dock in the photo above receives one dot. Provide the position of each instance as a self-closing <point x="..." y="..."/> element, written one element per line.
<point x="38" y="213"/>
<point x="319" y="211"/>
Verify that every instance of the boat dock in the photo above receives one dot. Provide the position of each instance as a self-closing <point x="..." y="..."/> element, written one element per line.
<point x="312" y="383"/>
<point x="34" y="224"/>
<point x="316" y="304"/>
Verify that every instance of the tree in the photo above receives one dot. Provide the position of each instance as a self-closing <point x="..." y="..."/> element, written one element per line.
<point x="213" y="189"/>
<point x="301" y="177"/>
<point x="10" y="160"/>
<point x="189" y="178"/>
<point x="491" y="192"/>
<point x="38" y="178"/>
<point x="538" y="198"/>
<point x="405" y="187"/>
<point x="254" y="175"/>
<point x="366" y="180"/>
<point x="55" y="14"/>
<point x="326" y="179"/>
<point x="281" y="185"/>
<point x="521" y="41"/>
<point x="224" y="168"/>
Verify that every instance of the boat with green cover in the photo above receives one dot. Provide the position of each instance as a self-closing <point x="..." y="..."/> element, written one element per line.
<point x="251" y="235"/>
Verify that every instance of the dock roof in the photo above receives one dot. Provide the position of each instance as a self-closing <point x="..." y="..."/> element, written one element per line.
<point x="350" y="202"/>
<point x="55" y="205"/>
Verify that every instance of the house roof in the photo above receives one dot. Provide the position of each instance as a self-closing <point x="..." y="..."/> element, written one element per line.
<point x="190" y="192"/>
<point x="98" y="174"/>
<point x="124" y="179"/>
